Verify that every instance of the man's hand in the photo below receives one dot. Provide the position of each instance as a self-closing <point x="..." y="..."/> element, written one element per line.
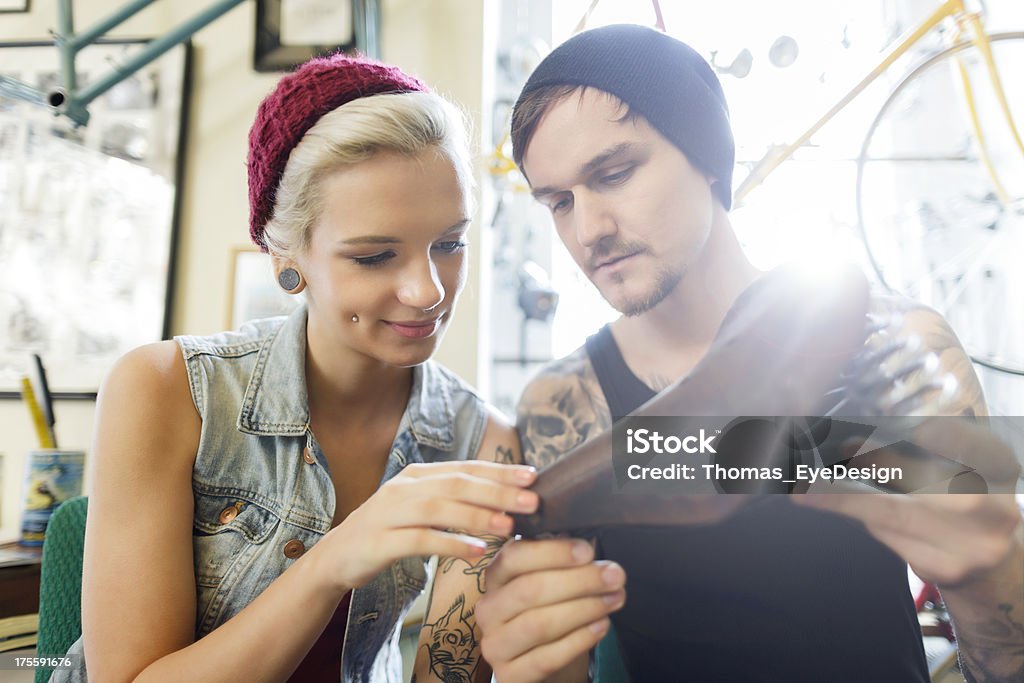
<point x="547" y="604"/>
<point x="969" y="544"/>
<point x="947" y="539"/>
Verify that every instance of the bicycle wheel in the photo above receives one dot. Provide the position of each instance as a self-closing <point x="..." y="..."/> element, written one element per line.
<point x="935" y="225"/>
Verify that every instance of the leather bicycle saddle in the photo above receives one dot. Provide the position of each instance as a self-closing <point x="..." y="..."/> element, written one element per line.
<point x="779" y="351"/>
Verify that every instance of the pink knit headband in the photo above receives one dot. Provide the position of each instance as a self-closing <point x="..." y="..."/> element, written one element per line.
<point x="296" y="104"/>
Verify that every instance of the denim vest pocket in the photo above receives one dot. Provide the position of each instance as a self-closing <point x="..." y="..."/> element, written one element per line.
<point x="228" y="532"/>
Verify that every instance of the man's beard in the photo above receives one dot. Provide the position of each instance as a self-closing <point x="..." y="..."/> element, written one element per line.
<point x="666" y="281"/>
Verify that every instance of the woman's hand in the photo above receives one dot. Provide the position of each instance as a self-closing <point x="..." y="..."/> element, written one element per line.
<point x="412" y="514"/>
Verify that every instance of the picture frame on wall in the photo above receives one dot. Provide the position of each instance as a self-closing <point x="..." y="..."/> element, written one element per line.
<point x="88" y="215"/>
<point x="290" y="32"/>
<point x="253" y="293"/>
<point x="14" y="6"/>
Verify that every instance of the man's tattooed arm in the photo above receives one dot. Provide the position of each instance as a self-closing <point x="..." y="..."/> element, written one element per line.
<point x="988" y="612"/>
<point x="988" y="619"/>
<point x="560" y="409"/>
<point x="999" y="653"/>
<point x="449" y="644"/>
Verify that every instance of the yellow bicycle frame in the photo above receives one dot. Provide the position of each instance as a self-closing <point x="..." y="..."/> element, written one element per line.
<point x="949" y="8"/>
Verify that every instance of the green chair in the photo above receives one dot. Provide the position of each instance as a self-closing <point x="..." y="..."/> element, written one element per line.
<point x="60" y="585"/>
<point x="608" y="664"/>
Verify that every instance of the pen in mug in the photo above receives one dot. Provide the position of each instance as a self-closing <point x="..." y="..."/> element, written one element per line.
<point x="46" y="399"/>
<point x="42" y="433"/>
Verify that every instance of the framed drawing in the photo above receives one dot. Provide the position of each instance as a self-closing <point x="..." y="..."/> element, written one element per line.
<point x="289" y="32"/>
<point x="13" y="6"/>
<point x="252" y="292"/>
<point x="88" y="216"/>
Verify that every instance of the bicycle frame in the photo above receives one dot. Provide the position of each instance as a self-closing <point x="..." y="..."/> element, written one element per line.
<point x="71" y="101"/>
<point x="949" y="9"/>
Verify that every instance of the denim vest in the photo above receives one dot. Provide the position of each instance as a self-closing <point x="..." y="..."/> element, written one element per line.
<point x="262" y="491"/>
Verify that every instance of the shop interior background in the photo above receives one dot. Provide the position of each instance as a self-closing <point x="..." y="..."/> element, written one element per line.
<point x="803" y="54"/>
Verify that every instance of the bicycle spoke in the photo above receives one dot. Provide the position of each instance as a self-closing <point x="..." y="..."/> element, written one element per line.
<point x="957" y="246"/>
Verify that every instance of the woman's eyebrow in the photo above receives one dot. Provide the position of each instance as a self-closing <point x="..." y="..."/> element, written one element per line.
<point x="456" y="226"/>
<point x="371" y="239"/>
<point x="386" y="239"/>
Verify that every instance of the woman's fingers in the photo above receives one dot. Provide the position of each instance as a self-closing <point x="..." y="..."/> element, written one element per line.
<point x="442" y="513"/>
<point x="466" y="488"/>
<point x="518" y="475"/>
<point x="408" y="542"/>
<point x="413" y="512"/>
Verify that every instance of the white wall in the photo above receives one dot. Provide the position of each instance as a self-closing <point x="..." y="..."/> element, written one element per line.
<point x="442" y="41"/>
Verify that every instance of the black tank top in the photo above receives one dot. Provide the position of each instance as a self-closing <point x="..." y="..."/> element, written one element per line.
<point x="773" y="593"/>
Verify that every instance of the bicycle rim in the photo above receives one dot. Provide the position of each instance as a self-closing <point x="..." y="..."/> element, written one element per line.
<point x="958" y="250"/>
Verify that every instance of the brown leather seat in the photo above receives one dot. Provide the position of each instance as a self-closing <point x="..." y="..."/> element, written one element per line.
<point x="779" y="351"/>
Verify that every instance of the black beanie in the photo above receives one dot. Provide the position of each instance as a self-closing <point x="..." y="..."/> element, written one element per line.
<point x="662" y="78"/>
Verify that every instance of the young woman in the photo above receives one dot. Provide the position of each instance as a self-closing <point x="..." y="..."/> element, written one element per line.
<point x="264" y="500"/>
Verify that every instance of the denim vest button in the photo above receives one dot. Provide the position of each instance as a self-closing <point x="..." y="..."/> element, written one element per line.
<point x="229" y="513"/>
<point x="294" y="549"/>
<point x="308" y="457"/>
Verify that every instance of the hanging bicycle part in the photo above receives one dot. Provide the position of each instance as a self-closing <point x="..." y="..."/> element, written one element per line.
<point x="940" y="206"/>
<point x="73" y="101"/>
<point x="967" y="21"/>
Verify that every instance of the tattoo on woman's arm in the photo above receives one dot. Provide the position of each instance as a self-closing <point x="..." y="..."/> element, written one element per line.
<point x="474" y="567"/>
<point x="504" y="455"/>
<point x="452" y="644"/>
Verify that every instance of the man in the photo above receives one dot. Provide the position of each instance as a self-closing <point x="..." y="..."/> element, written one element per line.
<point x="623" y="133"/>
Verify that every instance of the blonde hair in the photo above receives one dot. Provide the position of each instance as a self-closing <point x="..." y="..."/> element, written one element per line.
<point x="407" y="123"/>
